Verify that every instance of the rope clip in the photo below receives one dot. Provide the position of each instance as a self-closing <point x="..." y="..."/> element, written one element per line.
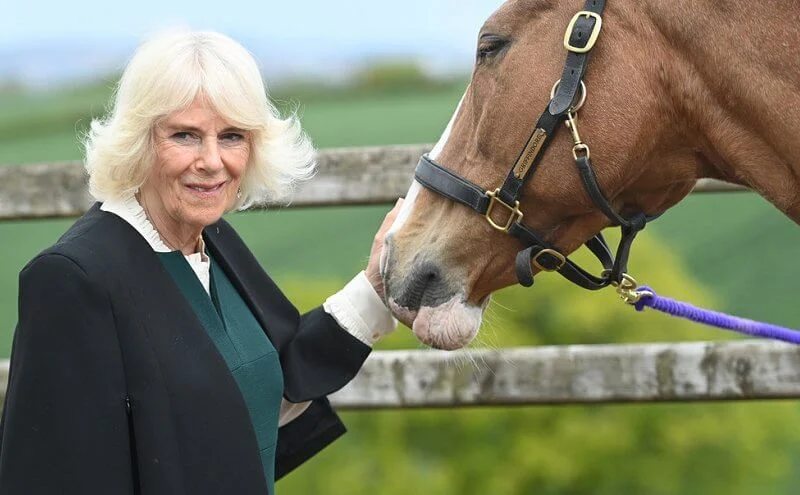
<point x="628" y="288"/>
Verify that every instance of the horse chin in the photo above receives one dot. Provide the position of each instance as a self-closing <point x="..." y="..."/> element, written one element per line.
<point x="448" y="326"/>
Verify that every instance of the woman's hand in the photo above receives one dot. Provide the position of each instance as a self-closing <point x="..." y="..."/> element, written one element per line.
<point x="373" y="266"/>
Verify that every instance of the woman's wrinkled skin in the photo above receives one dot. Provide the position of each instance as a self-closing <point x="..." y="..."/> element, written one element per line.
<point x="200" y="161"/>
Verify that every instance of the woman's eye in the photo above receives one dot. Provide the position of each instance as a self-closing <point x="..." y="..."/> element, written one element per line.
<point x="490" y="45"/>
<point x="184" y="136"/>
<point x="233" y="137"/>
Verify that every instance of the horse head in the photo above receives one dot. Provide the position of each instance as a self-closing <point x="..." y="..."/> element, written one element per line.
<point x="639" y="126"/>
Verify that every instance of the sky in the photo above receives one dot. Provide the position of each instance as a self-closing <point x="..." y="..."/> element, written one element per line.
<point x="48" y="42"/>
<point x="342" y="20"/>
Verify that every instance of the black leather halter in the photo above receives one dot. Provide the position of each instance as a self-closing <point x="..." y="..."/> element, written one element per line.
<point x="579" y="39"/>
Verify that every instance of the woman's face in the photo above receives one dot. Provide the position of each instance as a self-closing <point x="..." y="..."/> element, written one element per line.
<point x="200" y="161"/>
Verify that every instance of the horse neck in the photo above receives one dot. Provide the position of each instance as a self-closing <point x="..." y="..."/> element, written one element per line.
<point x="731" y="74"/>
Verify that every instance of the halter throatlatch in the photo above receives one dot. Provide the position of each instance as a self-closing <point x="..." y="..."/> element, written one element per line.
<point x="565" y="101"/>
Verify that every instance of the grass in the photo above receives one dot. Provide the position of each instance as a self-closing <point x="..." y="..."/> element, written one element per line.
<point x="375" y="120"/>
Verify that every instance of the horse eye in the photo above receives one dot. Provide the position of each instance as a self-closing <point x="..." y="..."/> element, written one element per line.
<point x="490" y="45"/>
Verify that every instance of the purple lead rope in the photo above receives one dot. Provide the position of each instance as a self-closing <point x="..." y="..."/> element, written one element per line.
<point x="742" y="325"/>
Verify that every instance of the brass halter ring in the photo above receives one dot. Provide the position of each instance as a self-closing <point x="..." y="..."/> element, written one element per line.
<point x="581" y="100"/>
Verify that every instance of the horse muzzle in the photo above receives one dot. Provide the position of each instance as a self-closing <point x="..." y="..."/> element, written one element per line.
<point x="427" y="297"/>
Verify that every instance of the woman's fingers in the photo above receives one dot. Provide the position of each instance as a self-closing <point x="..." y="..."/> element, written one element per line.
<point x="373" y="266"/>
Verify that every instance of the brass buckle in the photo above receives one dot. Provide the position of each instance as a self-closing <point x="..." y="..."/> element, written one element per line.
<point x="598" y="21"/>
<point x="561" y="258"/>
<point x="515" y="216"/>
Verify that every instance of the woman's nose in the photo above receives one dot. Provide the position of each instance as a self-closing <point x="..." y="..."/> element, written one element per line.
<point x="210" y="157"/>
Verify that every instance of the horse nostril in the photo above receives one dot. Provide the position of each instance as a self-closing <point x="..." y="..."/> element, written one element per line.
<point x="424" y="287"/>
<point x="428" y="273"/>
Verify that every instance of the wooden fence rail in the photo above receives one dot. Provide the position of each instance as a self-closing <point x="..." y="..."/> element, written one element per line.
<point x="589" y="374"/>
<point x="346" y="176"/>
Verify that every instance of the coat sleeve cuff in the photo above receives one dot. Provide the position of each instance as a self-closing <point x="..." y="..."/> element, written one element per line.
<point x="360" y="311"/>
<point x="304" y="437"/>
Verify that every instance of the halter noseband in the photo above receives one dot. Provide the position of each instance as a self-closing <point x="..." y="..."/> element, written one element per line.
<point x="579" y="39"/>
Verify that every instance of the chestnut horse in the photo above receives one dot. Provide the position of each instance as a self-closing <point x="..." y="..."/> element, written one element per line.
<point x="677" y="91"/>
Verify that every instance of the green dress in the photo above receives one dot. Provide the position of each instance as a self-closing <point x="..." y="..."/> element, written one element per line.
<point x="250" y="356"/>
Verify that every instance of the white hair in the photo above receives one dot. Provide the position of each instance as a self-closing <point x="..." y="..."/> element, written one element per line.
<point x="165" y="75"/>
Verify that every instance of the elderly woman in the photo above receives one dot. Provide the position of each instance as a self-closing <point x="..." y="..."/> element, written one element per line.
<point x="153" y="355"/>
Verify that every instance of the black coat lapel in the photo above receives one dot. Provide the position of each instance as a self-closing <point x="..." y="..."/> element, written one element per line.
<point x="277" y="316"/>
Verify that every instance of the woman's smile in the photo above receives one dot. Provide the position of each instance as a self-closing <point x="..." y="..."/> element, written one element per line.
<point x="207" y="191"/>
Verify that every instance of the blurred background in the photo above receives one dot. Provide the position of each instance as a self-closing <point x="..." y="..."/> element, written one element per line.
<point x="370" y="73"/>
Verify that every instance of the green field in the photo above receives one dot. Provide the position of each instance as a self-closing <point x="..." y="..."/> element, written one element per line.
<point x="740" y="248"/>
<point x="735" y="245"/>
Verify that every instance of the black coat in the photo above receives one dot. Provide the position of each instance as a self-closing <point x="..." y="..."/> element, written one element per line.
<point x="115" y="387"/>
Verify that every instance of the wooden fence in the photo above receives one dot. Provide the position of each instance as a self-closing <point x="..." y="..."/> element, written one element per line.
<point x="346" y="176"/>
<point x="751" y="369"/>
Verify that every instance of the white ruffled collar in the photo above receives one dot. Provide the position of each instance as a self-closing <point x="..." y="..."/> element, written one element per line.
<point x="132" y="212"/>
